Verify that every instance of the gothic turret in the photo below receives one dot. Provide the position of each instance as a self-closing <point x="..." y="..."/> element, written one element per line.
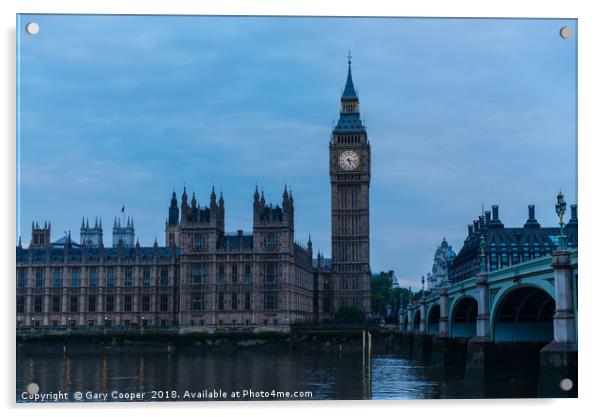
<point x="91" y="236"/>
<point x="172" y="225"/>
<point x="174" y="212"/>
<point x="40" y="236"/>
<point x="273" y="224"/>
<point x="184" y="206"/>
<point x="124" y="234"/>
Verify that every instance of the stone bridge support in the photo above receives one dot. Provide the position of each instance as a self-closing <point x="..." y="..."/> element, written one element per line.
<point x="410" y="314"/>
<point x="480" y="349"/>
<point x="422" y="324"/>
<point x="421" y="346"/>
<point x="444" y="313"/>
<point x="446" y="351"/>
<point x="558" y="360"/>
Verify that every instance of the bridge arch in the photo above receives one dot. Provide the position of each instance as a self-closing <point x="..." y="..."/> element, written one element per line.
<point x="523" y="314"/>
<point x="416" y="322"/>
<point x="463" y="317"/>
<point x="433" y="315"/>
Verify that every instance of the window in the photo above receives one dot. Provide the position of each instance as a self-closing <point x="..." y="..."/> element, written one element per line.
<point x="270" y="241"/>
<point x="128" y="278"/>
<point x="92" y="303"/>
<point x="504" y="259"/>
<point x="73" y="304"/>
<point x="164" y="277"/>
<point x="110" y="305"/>
<point x="20" y="304"/>
<point x="127" y="303"/>
<point x="57" y="278"/>
<point x="270" y="272"/>
<point x="22" y="278"/>
<point x="248" y="300"/>
<point x="326" y="304"/>
<point x="198" y="272"/>
<point x="146" y="276"/>
<point x="234" y="274"/>
<point x="493" y="260"/>
<point x="234" y="301"/>
<point x="220" y="301"/>
<point x="198" y="241"/>
<point x="146" y="303"/>
<point x="547" y="250"/>
<point x="39" y="278"/>
<point x="93" y="277"/>
<point x="270" y="300"/>
<point x="110" y="277"/>
<point x="221" y="274"/>
<point x="56" y="303"/>
<point x="163" y="305"/>
<point x="38" y="304"/>
<point x="196" y="301"/>
<point x="526" y="255"/>
<point x="248" y="276"/>
<point x="74" y="278"/>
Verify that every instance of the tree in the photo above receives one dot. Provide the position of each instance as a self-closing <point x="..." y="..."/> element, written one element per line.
<point x="381" y="286"/>
<point x="349" y="314"/>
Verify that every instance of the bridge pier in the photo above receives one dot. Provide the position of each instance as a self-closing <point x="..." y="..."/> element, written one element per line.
<point x="558" y="360"/>
<point x="406" y="343"/>
<point x="410" y="321"/>
<point x="443" y="313"/>
<point x="480" y="348"/>
<point x="421" y="347"/>
<point x="422" y="308"/>
<point x="448" y="352"/>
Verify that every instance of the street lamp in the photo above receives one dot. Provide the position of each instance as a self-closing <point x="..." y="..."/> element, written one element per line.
<point x="560" y="210"/>
<point x="482" y="256"/>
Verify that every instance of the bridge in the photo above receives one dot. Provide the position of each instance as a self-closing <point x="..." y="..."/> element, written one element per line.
<point x="533" y="303"/>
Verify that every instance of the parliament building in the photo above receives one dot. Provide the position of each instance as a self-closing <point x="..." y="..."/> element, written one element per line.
<point x="203" y="276"/>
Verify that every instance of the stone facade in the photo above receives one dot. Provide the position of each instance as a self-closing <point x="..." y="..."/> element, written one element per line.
<point x="442" y="263"/>
<point x="203" y="276"/>
<point x="507" y="246"/>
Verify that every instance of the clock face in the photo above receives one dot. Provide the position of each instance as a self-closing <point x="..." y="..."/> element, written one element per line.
<point x="349" y="160"/>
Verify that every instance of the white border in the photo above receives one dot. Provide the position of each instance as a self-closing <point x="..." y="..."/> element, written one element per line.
<point x="590" y="71"/>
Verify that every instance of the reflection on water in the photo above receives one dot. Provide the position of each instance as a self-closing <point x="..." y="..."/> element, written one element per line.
<point x="347" y="375"/>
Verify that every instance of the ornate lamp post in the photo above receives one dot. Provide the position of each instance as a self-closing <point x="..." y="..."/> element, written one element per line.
<point x="560" y="210"/>
<point x="482" y="256"/>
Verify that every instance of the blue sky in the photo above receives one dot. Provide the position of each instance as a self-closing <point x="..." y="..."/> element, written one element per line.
<point x="119" y="110"/>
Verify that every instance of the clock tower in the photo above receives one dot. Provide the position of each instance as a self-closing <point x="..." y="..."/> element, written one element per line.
<point x="350" y="199"/>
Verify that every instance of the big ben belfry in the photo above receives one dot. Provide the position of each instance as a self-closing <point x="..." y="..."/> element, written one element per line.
<point x="350" y="198"/>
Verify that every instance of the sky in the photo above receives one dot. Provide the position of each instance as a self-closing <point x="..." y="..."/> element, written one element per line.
<point x="461" y="114"/>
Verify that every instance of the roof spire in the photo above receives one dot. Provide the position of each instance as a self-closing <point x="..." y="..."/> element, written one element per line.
<point x="349" y="91"/>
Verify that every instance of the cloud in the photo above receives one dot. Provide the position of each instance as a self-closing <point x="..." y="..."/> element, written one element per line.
<point x="460" y="113"/>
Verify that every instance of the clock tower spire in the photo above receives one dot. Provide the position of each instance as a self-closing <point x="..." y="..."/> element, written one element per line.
<point x="350" y="198"/>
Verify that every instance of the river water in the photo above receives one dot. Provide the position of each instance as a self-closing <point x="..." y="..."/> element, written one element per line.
<point x="152" y="374"/>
